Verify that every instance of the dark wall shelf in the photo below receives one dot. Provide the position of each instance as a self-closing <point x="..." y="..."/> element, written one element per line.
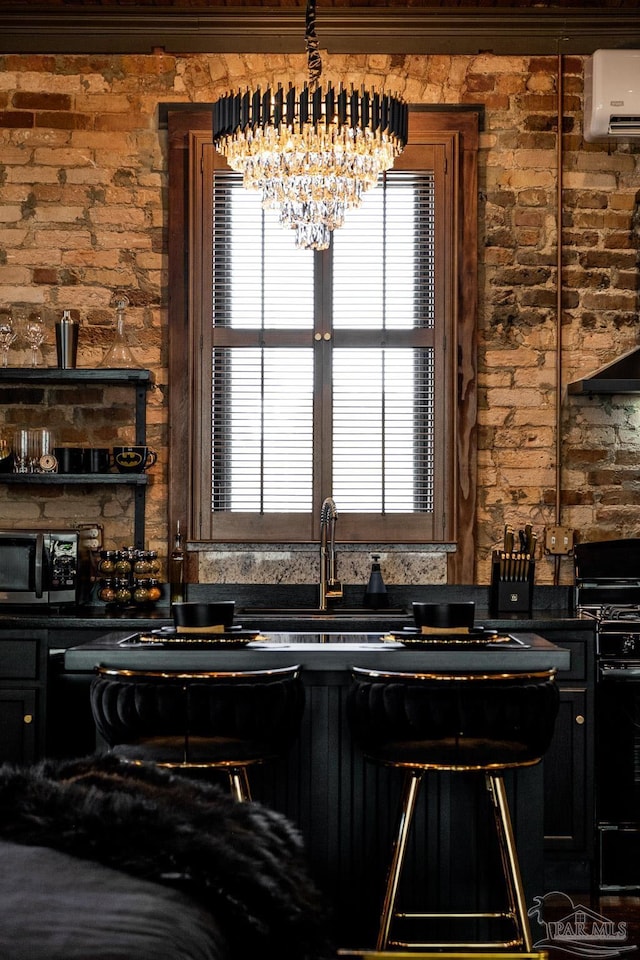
<point x="76" y="376"/>
<point x="139" y="379"/>
<point x="136" y="479"/>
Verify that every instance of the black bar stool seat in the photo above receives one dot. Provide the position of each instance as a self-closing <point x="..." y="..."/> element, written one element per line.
<point x="199" y="719"/>
<point x="460" y="721"/>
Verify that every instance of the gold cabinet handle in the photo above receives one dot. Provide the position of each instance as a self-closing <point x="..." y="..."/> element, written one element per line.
<point x="28" y="718"/>
<point x="580" y="719"/>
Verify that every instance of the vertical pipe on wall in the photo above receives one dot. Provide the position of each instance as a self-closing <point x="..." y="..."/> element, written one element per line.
<point x="559" y="276"/>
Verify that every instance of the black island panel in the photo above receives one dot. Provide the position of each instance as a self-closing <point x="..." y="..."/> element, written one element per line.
<point x="345" y="806"/>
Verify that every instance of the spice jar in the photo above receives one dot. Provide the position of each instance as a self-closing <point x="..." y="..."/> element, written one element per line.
<point x="123" y="592"/>
<point x="107" y="591"/>
<point x="107" y="562"/>
<point x="142" y="564"/>
<point x="141" y="591"/>
<point x="123" y="565"/>
<point x="154" y="590"/>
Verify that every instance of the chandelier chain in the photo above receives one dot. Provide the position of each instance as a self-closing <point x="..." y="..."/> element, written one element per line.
<point x="314" y="60"/>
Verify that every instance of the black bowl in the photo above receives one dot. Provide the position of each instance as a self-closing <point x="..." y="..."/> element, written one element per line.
<point x="196" y="614"/>
<point x="444" y="615"/>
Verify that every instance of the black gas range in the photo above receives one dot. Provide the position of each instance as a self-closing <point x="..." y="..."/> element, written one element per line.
<point x="608" y="590"/>
<point x="617" y="638"/>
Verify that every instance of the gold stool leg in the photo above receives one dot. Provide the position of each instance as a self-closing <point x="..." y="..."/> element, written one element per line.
<point x="413" y="779"/>
<point x="510" y="858"/>
<point x="239" y="780"/>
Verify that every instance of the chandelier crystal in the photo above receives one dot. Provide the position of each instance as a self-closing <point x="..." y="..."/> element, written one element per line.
<point x="313" y="152"/>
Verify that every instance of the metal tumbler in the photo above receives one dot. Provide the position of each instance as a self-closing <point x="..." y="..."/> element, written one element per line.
<point x="66" y="342"/>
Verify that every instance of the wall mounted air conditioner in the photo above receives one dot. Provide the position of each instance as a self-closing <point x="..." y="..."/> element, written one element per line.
<point x="612" y="95"/>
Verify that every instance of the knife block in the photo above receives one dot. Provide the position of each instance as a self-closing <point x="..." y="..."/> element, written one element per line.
<point x="510" y="592"/>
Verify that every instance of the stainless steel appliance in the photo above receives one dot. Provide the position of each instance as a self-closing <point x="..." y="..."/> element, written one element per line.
<point x="608" y="589"/>
<point x="39" y="567"/>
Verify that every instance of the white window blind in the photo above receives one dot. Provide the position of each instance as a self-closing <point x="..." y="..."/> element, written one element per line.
<point x="260" y="280"/>
<point x="383" y="430"/>
<point x="263" y="430"/>
<point x="383" y="258"/>
<point x="324" y="364"/>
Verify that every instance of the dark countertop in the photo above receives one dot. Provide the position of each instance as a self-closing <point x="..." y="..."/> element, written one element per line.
<point x="549" y="602"/>
<point x="97" y="617"/>
<point x="69" y="628"/>
<point x="319" y="652"/>
<point x="262" y="608"/>
<point x="81" y="618"/>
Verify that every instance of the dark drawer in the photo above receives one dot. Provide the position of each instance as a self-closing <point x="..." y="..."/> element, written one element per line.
<point x="19" y="660"/>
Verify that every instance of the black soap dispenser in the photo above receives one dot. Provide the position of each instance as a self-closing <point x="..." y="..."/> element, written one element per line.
<point x="375" y="595"/>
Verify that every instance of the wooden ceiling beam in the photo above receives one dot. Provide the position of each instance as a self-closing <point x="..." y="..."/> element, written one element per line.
<point x="392" y="30"/>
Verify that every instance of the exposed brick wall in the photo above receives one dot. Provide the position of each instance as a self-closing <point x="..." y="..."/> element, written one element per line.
<point x="83" y="214"/>
<point x="518" y="335"/>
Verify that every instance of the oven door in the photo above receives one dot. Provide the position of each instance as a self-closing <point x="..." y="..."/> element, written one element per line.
<point x="618" y="774"/>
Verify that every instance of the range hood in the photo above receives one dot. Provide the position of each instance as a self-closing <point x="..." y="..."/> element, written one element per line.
<point x="620" y="376"/>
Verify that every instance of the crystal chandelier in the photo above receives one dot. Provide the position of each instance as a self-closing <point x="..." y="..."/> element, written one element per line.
<point x="313" y="152"/>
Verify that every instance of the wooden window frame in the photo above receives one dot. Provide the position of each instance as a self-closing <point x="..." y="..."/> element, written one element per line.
<point x="189" y="129"/>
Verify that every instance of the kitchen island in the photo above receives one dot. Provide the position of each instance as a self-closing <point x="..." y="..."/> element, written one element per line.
<point x="344" y="806"/>
<point x="326" y="651"/>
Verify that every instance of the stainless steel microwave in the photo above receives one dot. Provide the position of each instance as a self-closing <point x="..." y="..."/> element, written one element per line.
<point x="39" y="566"/>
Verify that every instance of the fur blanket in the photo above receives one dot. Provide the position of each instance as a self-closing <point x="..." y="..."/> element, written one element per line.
<point x="243" y="861"/>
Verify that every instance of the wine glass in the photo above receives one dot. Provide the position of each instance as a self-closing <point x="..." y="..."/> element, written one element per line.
<point x="34" y="334"/>
<point x="7" y="336"/>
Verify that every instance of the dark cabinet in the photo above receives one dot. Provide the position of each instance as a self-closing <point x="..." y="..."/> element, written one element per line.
<point x="23" y="679"/>
<point x="18" y="725"/>
<point x="569" y="769"/>
<point x="565" y="773"/>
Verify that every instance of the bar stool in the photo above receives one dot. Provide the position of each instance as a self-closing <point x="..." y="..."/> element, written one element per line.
<point x="455" y="722"/>
<point x="198" y="720"/>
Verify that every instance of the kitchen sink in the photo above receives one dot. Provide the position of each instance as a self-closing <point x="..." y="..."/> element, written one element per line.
<point x="341" y="619"/>
<point x="338" y="612"/>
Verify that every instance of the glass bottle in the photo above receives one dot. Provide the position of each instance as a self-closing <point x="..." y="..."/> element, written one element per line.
<point x="176" y="569"/>
<point x="119" y="355"/>
<point x="67" y="341"/>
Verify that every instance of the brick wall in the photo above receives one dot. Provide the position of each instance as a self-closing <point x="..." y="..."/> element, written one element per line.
<point x="83" y="215"/>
